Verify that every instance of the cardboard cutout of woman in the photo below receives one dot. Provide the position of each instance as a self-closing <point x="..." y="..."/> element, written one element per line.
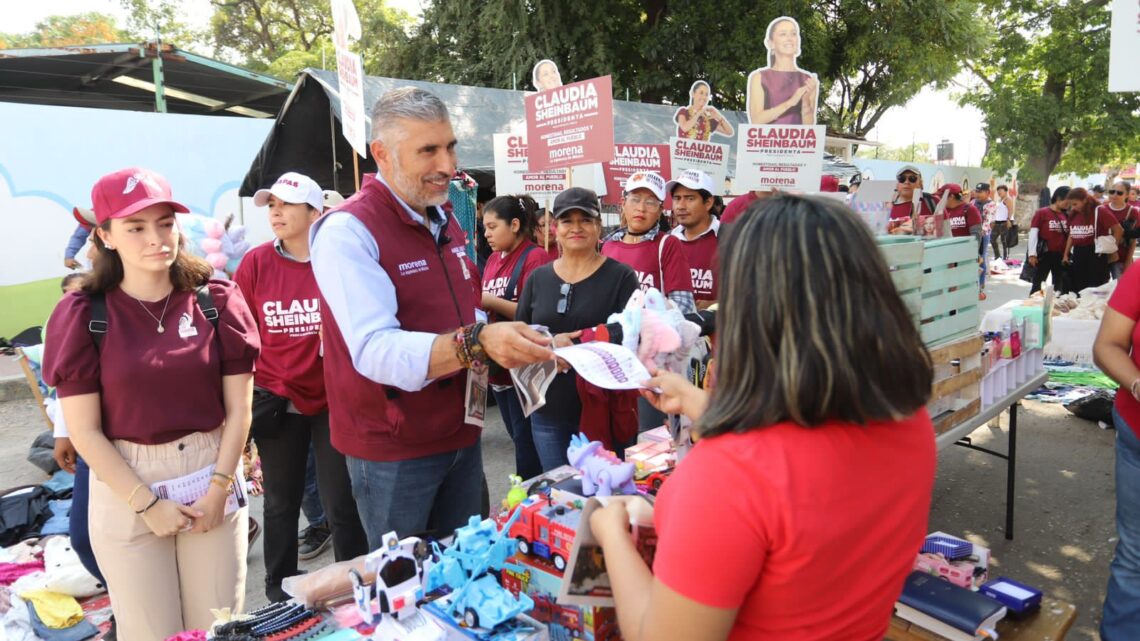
<point x="782" y="93"/>
<point x="545" y="75"/>
<point x="699" y="120"/>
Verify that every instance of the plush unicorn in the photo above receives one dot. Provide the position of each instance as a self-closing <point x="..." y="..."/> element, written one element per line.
<point x="654" y="329"/>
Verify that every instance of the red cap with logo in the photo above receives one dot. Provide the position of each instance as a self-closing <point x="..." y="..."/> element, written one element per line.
<point x="128" y="191"/>
<point x="950" y="188"/>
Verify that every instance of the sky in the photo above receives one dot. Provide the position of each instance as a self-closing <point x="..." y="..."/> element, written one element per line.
<point x="929" y="117"/>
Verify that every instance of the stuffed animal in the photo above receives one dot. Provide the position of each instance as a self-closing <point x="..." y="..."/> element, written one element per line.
<point x="655" y="330"/>
<point x="211" y="239"/>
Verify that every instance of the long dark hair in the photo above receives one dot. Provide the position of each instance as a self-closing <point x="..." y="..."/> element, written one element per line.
<point x="509" y="208"/>
<point x="1086" y="204"/>
<point x="804" y="335"/>
<point x="186" y="274"/>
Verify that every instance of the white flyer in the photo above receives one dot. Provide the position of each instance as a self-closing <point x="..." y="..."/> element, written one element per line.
<point x="188" y="489"/>
<point x="605" y="365"/>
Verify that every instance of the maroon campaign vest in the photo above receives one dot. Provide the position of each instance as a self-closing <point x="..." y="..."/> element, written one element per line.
<point x="381" y="423"/>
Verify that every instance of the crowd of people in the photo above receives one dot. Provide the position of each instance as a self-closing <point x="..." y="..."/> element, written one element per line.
<point x="1081" y="239"/>
<point x="361" y="336"/>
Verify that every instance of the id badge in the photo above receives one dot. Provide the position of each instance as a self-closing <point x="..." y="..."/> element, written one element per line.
<point x="475" y="404"/>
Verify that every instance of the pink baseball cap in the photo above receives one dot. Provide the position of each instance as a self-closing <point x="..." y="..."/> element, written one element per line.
<point x="129" y="191"/>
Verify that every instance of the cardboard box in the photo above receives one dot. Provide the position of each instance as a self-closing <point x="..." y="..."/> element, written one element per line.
<point x="565" y="623"/>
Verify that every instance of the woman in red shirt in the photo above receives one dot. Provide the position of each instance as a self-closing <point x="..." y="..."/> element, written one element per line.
<point x="1087" y="222"/>
<point x="815" y="444"/>
<point x="1127" y="215"/>
<point x="1047" y="235"/>
<point x="508" y="222"/>
<point x="158" y="391"/>
<point x="1115" y="353"/>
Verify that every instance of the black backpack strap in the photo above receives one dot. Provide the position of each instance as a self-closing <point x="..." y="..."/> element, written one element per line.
<point x="512" y="290"/>
<point x="206" y="303"/>
<point x="97" y="326"/>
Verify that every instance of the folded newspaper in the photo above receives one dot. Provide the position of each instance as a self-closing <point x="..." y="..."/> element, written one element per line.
<point x="585" y="581"/>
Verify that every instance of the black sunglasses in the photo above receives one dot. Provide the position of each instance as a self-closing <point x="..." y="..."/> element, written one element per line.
<point x="564" y="302"/>
<point x="908" y="179"/>
<point x="1116" y="192"/>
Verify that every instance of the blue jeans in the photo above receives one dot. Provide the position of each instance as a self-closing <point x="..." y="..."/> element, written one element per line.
<point x="77" y="528"/>
<point x="311" y="501"/>
<point x="985" y="267"/>
<point x="527" y="464"/>
<point x="431" y="494"/>
<point x="552" y="437"/>
<point x="1121" y="617"/>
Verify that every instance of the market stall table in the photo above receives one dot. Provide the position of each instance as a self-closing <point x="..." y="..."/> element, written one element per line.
<point x="959" y="435"/>
<point x="1051" y="622"/>
<point x="1071" y="339"/>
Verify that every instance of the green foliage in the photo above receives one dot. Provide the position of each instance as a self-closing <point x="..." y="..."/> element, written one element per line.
<point x="917" y="152"/>
<point x="1044" y="90"/>
<point x="62" y="31"/>
<point x="284" y="36"/>
<point x="869" y="56"/>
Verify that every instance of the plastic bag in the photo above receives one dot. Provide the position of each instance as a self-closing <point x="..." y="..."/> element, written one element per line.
<point x="329" y="583"/>
<point x="1094" y="407"/>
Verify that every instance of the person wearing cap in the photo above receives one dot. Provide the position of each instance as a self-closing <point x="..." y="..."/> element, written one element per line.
<point x="697" y="229"/>
<point x="86" y="222"/>
<point x="156" y="392"/>
<point x="579" y="290"/>
<point x="964" y="218"/>
<point x="1098" y="193"/>
<point x="1047" y="235"/>
<point x="980" y="199"/>
<point x="290" y="404"/>
<point x="910" y="204"/>
<point x="1003" y="212"/>
<point x="399" y="301"/>
<point x="644" y="244"/>
<point x="507" y="224"/>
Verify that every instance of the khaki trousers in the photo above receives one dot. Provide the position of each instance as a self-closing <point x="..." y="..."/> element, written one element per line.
<point x="160" y="586"/>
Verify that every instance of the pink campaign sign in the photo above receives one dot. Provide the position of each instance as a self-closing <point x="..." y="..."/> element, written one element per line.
<point x="630" y="159"/>
<point x="571" y="125"/>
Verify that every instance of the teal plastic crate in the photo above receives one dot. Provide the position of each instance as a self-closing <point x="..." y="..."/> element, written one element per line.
<point x="949" y="307"/>
<point x="904" y="255"/>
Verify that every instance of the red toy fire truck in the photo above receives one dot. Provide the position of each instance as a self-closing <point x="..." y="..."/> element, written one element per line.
<point x="545" y="531"/>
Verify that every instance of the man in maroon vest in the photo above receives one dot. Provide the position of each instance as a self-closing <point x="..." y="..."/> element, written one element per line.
<point x="401" y="330"/>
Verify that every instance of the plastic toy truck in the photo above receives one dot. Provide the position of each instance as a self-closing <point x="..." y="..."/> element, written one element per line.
<point x="476" y="598"/>
<point x="544" y="530"/>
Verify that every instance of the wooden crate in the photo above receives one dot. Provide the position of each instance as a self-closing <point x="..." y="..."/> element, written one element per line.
<point x="949" y="307"/>
<point x="904" y="257"/>
<point x="956" y="394"/>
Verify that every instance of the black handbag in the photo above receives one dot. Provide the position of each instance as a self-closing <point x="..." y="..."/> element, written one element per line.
<point x="1028" y="272"/>
<point x="267" y="406"/>
<point x="1011" y="235"/>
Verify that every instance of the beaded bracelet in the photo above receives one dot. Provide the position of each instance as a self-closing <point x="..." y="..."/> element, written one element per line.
<point x="467" y="347"/>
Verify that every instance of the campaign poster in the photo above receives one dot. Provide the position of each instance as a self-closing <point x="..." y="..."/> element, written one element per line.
<point x="781" y="93"/>
<point x="786" y="158"/>
<point x="699" y="120"/>
<point x="546" y="76"/>
<point x="630" y="159"/>
<point x="513" y="176"/>
<point x="571" y="125"/>
<point x="350" y="76"/>
<point x="709" y="157"/>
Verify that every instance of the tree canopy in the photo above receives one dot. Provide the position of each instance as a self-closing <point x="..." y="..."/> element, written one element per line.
<point x="63" y="31"/>
<point x="1044" y="90"/>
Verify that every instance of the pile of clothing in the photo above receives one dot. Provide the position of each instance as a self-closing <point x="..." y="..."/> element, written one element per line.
<point x="41" y="577"/>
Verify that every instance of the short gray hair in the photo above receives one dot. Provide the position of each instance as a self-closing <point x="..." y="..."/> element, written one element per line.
<point x="406" y="103"/>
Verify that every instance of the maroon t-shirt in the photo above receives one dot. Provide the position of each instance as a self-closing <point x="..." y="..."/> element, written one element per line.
<point x="286" y="304"/>
<point x="499" y="269"/>
<point x="642" y="257"/>
<point x="155" y="388"/>
<point x="1081" y="226"/>
<point x="962" y="218"/>
<point x="1051" y="228"/>
<point x="737" y="207"/>
<point x="701" y="254"/>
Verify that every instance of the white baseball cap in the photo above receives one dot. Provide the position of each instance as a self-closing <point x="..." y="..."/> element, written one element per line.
<point x="694" y="179"/>
<point x="332" y="198"/>
<point x="293" y="188"/>
<point x="911" y="168"/>
<point x="650" y="180"/>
